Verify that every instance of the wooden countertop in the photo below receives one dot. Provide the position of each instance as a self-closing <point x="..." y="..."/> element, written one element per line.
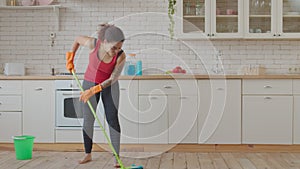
<point x="157" y="77"/>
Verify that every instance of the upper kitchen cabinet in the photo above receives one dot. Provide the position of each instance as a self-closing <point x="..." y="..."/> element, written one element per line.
<point x="272" y="18"/>
<point x="211" y="18"/>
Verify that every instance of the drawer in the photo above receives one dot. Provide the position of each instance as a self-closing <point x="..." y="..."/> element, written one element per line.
<point x="160" y="87"/>
<point x="10" y="103"/>
<point x="267" y="86"/>
<point x="10" y="87"/>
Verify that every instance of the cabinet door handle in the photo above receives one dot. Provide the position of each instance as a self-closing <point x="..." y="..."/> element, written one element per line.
<point x="167" y="87"/>
<point x="38" y="89"/>
<point x="153" y="98"/>
<point x="274" y="35"/>
<point x="220" y="88"/>
<point x="0" y="103"/>
<point x="0" y="87"/>
<point x="267" y="87"/>
<point x="70" y="94"/>
<point x="122" y="88"/>
<point x="183" y="97"/>
<point x="268" y="98"/>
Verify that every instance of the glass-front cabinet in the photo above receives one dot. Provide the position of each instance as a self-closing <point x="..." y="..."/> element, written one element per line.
<point x="211" y="18"/>
<point x="272" y="18"/>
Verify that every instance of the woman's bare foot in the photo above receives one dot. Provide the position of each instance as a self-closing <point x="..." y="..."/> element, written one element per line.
<point x="87" y="158"/>
<point x="117" y="165"/>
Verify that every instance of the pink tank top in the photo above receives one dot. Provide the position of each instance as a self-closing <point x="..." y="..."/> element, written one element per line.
<point x="98" y="71"/>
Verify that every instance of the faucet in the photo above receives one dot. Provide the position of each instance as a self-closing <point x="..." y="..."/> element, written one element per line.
<point x="217" y="68"/>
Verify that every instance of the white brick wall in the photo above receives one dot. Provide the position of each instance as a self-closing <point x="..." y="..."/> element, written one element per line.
<point x="24" y="37"/>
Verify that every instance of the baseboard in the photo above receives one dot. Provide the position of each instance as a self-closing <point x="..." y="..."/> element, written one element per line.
<point x="78" y="147"/>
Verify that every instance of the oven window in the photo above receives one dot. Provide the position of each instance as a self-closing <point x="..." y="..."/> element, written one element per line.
<point x="72" y="108"/>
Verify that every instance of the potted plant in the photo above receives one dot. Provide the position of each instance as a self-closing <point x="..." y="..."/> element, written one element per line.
<point x="171" y="12"/>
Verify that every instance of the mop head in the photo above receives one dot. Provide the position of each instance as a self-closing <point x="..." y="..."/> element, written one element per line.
<point x="135" y="167"/>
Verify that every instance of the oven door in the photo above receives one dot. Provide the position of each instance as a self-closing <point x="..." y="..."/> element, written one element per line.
<point x="68" y="110"/>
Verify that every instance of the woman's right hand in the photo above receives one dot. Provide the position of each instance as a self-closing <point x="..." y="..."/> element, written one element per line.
<point x="70" y="60"/>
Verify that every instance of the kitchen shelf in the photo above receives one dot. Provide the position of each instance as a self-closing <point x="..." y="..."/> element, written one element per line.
<point x="194" y="16"/>
<point x="291" y="16"/>
<point x="55" y="9"/>
<point x="260" y="16"/>
<point x="32" y="7"/>
<point x="203" y="16"/>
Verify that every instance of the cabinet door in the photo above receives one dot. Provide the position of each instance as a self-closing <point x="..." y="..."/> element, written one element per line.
<point x="267" y="119"/>
<point x="128" y="111"/>
<point x="10" y="125"/>
<point x="226" y="19"/>
<point x="182" y="119"/>
<point x="296" y="120"/>
<point x="196" y="18"/>
<point x="288" y="18"/>
<point x="39" y="110"/>
<point x="153" y="119"/>
<point x="219" y="120"/>
<point x="260" y="17"/>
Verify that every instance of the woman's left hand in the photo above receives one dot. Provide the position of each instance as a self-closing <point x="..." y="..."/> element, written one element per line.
<point x="86" y="95"/>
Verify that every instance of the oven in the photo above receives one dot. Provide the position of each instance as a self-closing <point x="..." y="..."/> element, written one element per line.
<point x="67" y="105"/>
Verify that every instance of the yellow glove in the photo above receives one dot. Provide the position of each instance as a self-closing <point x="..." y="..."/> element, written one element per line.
<point x="70" y="60"/>
<point x="87" y="94"/>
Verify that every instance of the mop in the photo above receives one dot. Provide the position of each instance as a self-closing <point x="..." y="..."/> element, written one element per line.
<point x="104" y="132"/>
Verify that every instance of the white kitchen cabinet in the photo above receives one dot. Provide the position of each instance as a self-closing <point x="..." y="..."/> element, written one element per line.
<point x="183" y="118"/>
<point x="129" y="111"/>
<point x="168" y="111"/>
<point x="10" y="125"/>
<point x="219" y="120"/>
<point x="272" y="18"/>
<point x="210" y="18"/>
<point x="267" y="116"/>
<point x="153" y="119"/>
<point x="296" y="125"/>
<point x="10" y="109"/>
<point x="39" y="109"/>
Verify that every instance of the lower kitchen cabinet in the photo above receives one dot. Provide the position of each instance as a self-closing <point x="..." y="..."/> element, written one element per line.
<point x="128" y="111"/>
<point x="10" y="125"/>
<point x="267" y="111"/>
<point x="153" y="119"/>
<point x="267" y="119"/>
<point x="39" y="110"/>
<point x="10" y="109"/>
<point x="182" y="119"/>
<point x="219" y="120"/>
<point x="296" y="126"/>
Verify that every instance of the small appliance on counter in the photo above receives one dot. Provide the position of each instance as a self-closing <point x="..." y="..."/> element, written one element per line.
<point x="14" y="69"/>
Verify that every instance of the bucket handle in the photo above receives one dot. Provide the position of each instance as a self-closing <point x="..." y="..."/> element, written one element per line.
<point x="18" y="138"/>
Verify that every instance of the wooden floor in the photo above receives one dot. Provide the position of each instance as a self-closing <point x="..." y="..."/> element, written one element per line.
<point x="172" y="160"/>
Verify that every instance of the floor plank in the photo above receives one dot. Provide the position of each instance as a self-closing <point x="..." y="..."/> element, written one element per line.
<point x="205" y="161"/>
<point x="231" y="161"/>
<point x="167" y="160"/>
<point x="192" y="161"/>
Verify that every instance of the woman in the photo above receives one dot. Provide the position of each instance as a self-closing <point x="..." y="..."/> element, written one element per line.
<point x="106" y="61"/>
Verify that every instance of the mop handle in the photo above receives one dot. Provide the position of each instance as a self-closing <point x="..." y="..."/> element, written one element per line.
<point x="101" y="126"/>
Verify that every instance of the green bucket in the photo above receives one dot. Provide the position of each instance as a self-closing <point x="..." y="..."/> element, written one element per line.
<point x="23" y="147"/>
